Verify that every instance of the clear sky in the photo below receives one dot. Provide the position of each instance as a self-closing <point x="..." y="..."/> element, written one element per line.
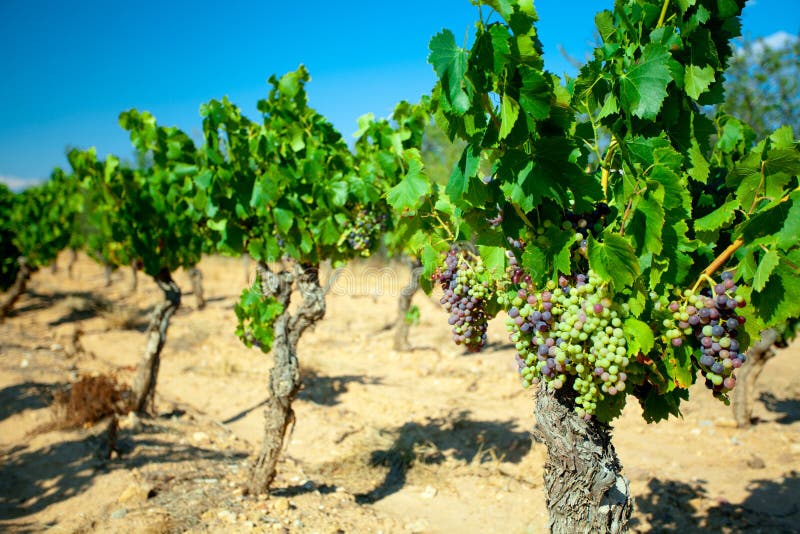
<point x="68" y="68"/>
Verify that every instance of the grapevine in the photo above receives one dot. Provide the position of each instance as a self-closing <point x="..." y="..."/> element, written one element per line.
<point x="463" y="279"/>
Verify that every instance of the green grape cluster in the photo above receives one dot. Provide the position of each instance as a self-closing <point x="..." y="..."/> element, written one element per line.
<point x="570" y="334"/>
<point x="709" y="321"/>
<point x="466" y="287"/>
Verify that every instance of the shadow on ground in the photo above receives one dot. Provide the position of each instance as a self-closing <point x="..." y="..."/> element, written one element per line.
<point x="325" y="390"/>
<point x="28" y="396"/>
<point x="787" y="409"/>
<point x="31" y="479"/>
<point x="457" y="437"/>
<point x="772" y="507"/>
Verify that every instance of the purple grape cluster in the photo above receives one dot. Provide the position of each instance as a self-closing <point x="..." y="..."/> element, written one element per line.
<point x="711" y="318"/>
<point x="466" y="290"/>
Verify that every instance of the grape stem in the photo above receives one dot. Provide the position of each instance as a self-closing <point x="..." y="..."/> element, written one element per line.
<point x="707" y="278"/>
<point x="719" y="261"/>
<point x="522" y="215"/>
<point x="663" y="14"/>
<point x="606" y="172"/>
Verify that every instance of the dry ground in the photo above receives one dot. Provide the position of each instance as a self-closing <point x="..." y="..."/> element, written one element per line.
<point x="433" y="440"/>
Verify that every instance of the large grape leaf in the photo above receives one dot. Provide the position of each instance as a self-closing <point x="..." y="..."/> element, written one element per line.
<point x="613" y="259"/>
<point x="450" y="63"/>
<point x="643" y="87"/>
<point x="413" y="188"/>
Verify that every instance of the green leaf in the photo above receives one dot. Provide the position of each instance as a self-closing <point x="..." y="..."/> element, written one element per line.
<point x="644" y="86"/>
<point x="613" y="259"/>
<point x="509" y="112"/>
<point x="717" y="218"/>
<point x="414" y="188"/>
<point x="658" y="406"/>
<point x="283" y="219"/>
<point x="765" y="268"/>
<point x="494" y="259"/>
<point x="450" y="63"/>
<point x="639" y="336"/>
<point x="696" y="80"/>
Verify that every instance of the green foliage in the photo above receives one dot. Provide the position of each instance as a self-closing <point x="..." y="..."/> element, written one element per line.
<point x="686" y="196"/>
<point x="284" y="186"/>
<point x="255" y="315"/>
<point x="145" y="214"/>
<point x="412" y="315"/>
<point x="43" y="218"/>
<point x="8" y="251"/>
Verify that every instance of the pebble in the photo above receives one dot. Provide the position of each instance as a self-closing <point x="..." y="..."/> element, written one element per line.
<point x="429" y="493"/>
<point x="795" y="448"/>
<point x="133" y="493"/>
<point x="419" y="525"/>
<point x="200" y="437"/>
<point x="756" y="463"/>
<point x="119" y="514"/>
<point x="227" y="515"/>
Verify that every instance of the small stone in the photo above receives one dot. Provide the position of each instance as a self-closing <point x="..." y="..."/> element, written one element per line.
<point x="794" y="448"/>
<point x="25" y="363"/>
<point x="298" y="524"/>
<point x="55" y="347"/>
<point x="419" y="525"/>
<point x="724" y="422"/>
<point x="429" y="493"/>
<point x="200" y="437"/>
<point x="280" y="505"/>
<point x="131" y="422"/>
<point x="227" y="516"/>
<point x="119" y="514"/>
<point x="756" y="463"/>
<point x="133" y="494"/>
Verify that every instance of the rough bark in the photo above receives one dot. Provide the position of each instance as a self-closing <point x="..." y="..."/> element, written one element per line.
<point x="109" y="269"/>
<point x="402" y="326"/>
<point x="134" y="276"/>
<point x="17" y="289"/>
<point x="73" y="259"/>
<point x="744" y="393"/>
<point x="284" y="379"/>
<point x="144" y="386"/>
<point x="583" y="484"/>
<point x="196" y="276"/>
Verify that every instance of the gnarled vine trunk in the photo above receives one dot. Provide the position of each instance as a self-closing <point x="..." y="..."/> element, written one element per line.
<point x="402" y="325"/>
<point x="107" y="272"/>
<point x="17" y="288"/>
<point x="144" y="386"/>
<point x="134" y="276"/>
<point x="585" y="491"/>
<point x="196" y="276"/>
<point x="744" y="393"/>
<point x="284" y="379"/>
<point x="73" y="259"/>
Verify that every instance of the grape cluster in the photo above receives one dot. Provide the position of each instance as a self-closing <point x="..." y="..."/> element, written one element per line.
<point x="361" y="231"/>
<point x="570" y="333"/>
<point x="466" y="290"/>
<point x="514" y="272"/>
<point x="585" y="224"/>
<point x="712" y="320"/>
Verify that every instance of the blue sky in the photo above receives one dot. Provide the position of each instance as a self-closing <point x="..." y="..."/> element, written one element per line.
<point x="68" y="68"/>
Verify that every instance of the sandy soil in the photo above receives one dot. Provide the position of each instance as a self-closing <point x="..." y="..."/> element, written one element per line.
<point x="432" y="440"/>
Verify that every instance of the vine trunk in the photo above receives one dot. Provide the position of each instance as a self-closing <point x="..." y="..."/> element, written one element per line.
<point x="196" y="276"/>
<point x="17" y="289"/>
<point x="744" y="393"/>
<point x="144" y="386"/>
<point x="403" y="326"/>
<point x="284" y="379"/>
<point x="585" y="491"/>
